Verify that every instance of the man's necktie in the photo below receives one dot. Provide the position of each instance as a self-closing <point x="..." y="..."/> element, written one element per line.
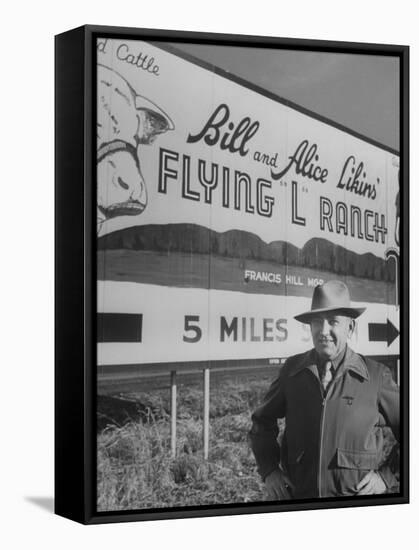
<point x="326" y="375"/>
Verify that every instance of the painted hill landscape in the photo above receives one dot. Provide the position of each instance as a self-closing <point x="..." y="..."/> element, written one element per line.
<point x="316" y="254"/>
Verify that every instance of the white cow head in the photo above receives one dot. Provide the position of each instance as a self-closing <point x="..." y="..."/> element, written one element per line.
<point x="121" y="189"/>
<point x="126" y="121"/>
<point x="125" y="115"/>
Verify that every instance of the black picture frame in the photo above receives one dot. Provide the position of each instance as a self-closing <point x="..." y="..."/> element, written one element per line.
<point x="75" y="271"/>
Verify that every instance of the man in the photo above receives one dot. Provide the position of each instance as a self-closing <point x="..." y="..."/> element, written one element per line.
<point x="335" y="403"/>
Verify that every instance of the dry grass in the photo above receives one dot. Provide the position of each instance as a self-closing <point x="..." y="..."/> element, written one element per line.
<point x="135" y="467"/>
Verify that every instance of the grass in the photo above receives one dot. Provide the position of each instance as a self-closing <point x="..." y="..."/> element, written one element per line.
<point x="135" y="467"/>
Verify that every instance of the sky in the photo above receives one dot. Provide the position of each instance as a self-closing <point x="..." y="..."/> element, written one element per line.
<point x="360" y="92"/>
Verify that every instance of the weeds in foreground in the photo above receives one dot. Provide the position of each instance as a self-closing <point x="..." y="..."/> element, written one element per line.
<point x="135" y="466"/>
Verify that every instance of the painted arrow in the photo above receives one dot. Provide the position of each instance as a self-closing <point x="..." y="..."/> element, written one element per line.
<point x="382" y="332"/>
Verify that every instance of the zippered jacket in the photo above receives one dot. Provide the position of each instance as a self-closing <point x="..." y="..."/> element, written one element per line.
<point x="331" y="439"/>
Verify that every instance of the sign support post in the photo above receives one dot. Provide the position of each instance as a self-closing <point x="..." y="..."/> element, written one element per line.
<point x="173" y="411"/>
<point x="206" y="411"/>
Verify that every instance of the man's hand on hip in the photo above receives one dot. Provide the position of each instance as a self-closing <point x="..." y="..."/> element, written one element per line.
<point x="371" y="484"/>
<point x="278" y="486"/>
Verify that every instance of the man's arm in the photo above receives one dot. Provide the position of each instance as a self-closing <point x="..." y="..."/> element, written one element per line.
<point x="264" y="432"/>
<point x="389" y="407"/>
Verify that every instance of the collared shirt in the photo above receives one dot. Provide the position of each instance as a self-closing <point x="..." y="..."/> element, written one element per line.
<point x="336" y="362"/>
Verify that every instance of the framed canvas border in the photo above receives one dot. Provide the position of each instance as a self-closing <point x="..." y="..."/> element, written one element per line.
<point x="75" y="269"/>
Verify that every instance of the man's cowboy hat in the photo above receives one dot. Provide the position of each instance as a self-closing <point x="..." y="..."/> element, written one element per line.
<point x="332" y="296"/>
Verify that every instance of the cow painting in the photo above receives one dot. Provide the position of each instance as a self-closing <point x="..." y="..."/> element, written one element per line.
<point x="126" y="121"/>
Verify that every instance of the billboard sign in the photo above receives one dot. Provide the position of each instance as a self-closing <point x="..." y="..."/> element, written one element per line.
<point x="220" y="208"/>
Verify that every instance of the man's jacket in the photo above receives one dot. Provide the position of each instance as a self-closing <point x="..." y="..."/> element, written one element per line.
<point x="331" y="440"/>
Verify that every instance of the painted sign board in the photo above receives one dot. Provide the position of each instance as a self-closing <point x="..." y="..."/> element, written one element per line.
<point x="220" y="208"/>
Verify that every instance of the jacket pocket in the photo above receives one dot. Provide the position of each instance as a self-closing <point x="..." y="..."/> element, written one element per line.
<point x="357" y="460"/>
<point x="296" y="457"/>
<point x="295" y="468"/>
<point x="351" y="467"/>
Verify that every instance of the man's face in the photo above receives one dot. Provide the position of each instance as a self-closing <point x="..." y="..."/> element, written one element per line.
<point x="330" y="334"/>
